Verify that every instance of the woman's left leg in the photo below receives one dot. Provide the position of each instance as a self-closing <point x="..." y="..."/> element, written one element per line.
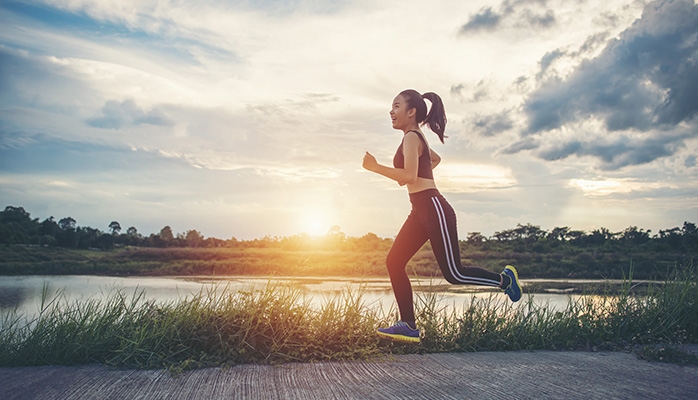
<point x="408" y="241"/>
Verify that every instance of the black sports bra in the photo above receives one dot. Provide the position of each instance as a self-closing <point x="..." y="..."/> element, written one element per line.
<point x="424" y="169"/>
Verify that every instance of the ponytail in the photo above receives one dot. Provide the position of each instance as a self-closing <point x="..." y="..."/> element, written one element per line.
<point x="436" y="119"/>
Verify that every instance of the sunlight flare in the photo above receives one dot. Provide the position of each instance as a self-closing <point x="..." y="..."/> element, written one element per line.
<point x="466" y="178"/>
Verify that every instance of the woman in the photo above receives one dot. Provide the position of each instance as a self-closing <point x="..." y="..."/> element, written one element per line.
<point x="431" y="218"/>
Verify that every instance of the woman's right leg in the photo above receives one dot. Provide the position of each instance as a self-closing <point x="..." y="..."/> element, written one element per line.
<point x="408" y="241"/>
<point x="443" y="236"/>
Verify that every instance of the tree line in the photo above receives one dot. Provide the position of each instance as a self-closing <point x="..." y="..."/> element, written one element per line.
<point x="17" y="227"/>
<point x="530" y="237"/>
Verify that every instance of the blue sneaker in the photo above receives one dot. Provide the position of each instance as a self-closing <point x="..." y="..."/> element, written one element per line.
<point x="400" y="332"/>
<point x="514" y="288"/>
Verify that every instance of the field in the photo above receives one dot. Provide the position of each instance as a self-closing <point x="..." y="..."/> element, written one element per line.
<point x="564" y="263"/>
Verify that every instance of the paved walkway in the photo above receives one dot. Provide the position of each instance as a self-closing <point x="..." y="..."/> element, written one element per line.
<point x="512" y="375"/>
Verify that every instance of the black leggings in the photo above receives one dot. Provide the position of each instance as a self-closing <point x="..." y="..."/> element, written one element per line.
<point x="433" y="219"/>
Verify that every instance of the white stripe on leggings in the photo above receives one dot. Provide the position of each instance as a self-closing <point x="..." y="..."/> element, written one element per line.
<point x="450" y="255"/>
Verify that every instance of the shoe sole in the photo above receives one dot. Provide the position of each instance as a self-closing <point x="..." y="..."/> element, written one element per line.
<point x="516" y="280"/>
<point x="398" y="338"/>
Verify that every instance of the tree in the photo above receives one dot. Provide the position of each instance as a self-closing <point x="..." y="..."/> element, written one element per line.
<point x="689" y="228"/>
<point x="599" y="236"/>
<point x="49" y="227"/>
<point x="559" y="234"/>
<point x="575" y="236"/>
<point x="335" y="237"/>
<point x="166" y="235"/>
<point x="16" y="226"/>
<point x="506" y="235"/>
<point x="68" y="236"/>
<point x="66" y="223"/>
<point x="132" y="231"/>
<point x="690" y="234"/>
<point x="634" y="235"/>
<point x="475" y="238"/>
<point x="14" y="214"/>
<point x="194" y="238"/>
<point x="369" y="241"/>
<point x="104" y="241"/>
<point x="115" y="227"/>
<point x="529" y="232"/>
<point x="88" y="237"/>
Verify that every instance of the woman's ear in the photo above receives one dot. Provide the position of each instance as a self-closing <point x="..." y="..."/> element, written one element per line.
<point x="412" y="112"/>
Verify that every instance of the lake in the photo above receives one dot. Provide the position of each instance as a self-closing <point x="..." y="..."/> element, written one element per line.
<point x="24" y="293"/>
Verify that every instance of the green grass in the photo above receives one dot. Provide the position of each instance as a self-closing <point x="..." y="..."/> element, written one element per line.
<point x="278" y="324"/>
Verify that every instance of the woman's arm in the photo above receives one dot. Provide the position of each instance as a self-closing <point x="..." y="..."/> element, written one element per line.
<point x="402" y="176"/>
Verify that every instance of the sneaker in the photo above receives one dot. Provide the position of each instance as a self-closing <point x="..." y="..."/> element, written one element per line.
<point x="400" y="332"/>
<point x="514" y="288"/>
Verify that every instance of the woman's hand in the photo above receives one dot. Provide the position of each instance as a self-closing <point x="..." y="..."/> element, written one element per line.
<point x="370" y="162"/>
<point x="396" y="174"/>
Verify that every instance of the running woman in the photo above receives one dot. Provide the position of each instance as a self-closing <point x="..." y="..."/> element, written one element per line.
<point x="432" y="217"/>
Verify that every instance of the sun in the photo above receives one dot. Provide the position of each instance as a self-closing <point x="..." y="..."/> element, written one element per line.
<point x="314" y="223"/>
<point x="316" y="226"/>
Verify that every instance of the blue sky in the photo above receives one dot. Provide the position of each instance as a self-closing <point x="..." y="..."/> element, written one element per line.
<point x="250" y="118"/>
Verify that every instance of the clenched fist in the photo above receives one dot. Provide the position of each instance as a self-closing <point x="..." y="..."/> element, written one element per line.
<point x="370" y="162"/>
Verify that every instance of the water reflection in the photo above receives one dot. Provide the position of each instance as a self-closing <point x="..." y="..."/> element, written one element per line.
<point x="12" y="297"/>
<point x="24" y="293"/>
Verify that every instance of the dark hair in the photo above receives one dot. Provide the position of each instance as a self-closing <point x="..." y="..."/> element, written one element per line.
<point x="436" y="119"/>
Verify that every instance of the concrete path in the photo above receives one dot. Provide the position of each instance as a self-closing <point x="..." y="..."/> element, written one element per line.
<point x="512" y="375"/>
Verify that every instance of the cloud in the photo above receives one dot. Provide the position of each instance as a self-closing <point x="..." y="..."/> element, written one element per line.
<point x="493" y="124"/>
<point x="479" y="92"/>
<point x="486" y="19"/>
<point x="527" y="143"/>
<point x="690" y="161"/>
<point x="116" y="115"/>
<point x="518" y="13"/>
<point x="547" y="60"/>
<point x="645" y="81"/>
<point x="620" y="151"/>
<point x="22" y="153"/>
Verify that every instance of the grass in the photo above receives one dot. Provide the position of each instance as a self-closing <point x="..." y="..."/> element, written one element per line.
<point x="278" y="324"/>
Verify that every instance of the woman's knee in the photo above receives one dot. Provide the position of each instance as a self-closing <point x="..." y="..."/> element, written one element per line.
<point x="394" y="264"/>
<point x="451" y="279"/>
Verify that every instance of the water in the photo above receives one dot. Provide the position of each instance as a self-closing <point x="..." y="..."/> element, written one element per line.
<point x="24" y="293"/>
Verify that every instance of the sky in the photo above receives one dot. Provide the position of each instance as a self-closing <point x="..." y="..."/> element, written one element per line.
<point x="250" y="118"/>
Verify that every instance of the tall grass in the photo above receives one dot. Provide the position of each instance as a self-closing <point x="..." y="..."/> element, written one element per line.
<point x="668" y="313"/>
<point x="279" y="324"/>
<point x="276" y="324"/>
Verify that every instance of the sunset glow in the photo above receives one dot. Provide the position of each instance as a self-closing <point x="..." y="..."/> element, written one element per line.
<point x="250" y="118"/>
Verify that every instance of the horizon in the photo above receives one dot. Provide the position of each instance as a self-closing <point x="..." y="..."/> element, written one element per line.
<point x="250" y="119"/>
<point x="337" y="230"/>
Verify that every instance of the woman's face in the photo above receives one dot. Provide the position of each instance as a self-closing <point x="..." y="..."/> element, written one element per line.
<point x="400" y="115"/>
